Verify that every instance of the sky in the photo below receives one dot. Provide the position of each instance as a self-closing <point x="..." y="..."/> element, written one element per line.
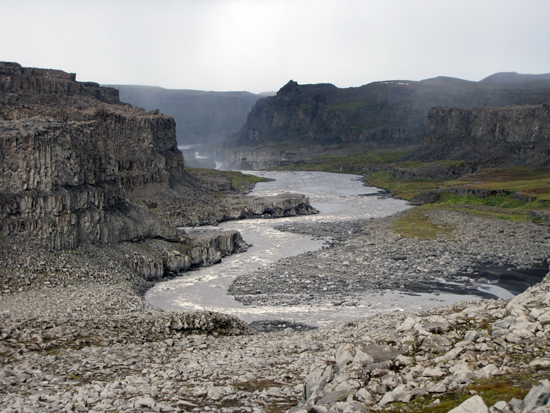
<point x="259" y="45"/>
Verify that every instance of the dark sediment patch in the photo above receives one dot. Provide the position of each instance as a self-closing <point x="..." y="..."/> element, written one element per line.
<point x="513" y="279"/>
<point x="271" y="326"/>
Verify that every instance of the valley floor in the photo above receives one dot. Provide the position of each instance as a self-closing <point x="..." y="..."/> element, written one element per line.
<point x="95" y="345"/>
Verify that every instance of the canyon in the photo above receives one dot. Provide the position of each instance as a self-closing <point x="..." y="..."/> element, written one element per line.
<point x="93" y="195"/>
<point x="79" y="167"/>
<point x="201" y="117"/>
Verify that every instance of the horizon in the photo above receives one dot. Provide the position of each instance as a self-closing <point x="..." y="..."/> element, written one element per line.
<point x="258" y="45"/>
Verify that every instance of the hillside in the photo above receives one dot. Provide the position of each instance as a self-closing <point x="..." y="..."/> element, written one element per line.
<point x="390" y="115"/>
<point x="514" y="77"/>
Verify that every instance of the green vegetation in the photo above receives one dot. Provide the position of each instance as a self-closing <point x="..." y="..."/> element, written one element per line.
<point x="417" y="225"/>
<point x="506" y="200"/>
<point x="366" y="126"/>
<point x="321" y="124"/>
<point x="401" y="188"/>
<point x="239" y="180"/>
<point x="529" y="182"/>
<point x="517" y="190"/>
<point x="491" y="391"/>
<point x="345" y="164"/>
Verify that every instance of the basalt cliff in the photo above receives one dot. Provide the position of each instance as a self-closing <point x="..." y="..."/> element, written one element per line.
<point x="69" y="152"/>
<point x="392" y="115"/>
<point x="488" y="135"/>
<point x="78" y="167"/>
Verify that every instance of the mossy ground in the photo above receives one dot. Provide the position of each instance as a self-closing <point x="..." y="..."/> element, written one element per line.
<point x="491" y="391"/>
<point x="530" y="182"/>
<point x="416" y="224"/>
<point x="239" y="180"/>
<point x="401" y="188"/>
<point x="519" y="190"/>
<point x="344" y="164"/>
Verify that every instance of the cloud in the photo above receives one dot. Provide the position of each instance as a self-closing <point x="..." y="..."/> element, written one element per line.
<point x="259" y="45"/>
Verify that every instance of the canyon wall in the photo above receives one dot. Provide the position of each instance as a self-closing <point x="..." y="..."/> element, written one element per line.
<point x="201" y="116"/>
<point x="381" y="115"/>
<point x="78" y="166"/>
<point x="70" y="151"/>
<point x="490" y="135"/>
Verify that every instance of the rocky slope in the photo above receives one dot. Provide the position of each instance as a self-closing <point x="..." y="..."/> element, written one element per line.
<point x="380" y="115"/>
<point x="201" y="117"/>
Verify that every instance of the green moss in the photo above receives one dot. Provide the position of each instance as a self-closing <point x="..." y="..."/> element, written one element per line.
<point x="499" y="201"/>
<point x="530" y="182"/>
<point x="416" y="224"/>
<point x="239" y="180"/>
<point x="401" y="188"/>
<point x="491" y="391"/>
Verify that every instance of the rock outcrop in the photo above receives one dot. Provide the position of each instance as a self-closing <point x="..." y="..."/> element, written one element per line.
<point x="70" y="151"/>
<point x="437" y="353"/>
<point x="489" y="135"/>
<point x="386" y="115"/>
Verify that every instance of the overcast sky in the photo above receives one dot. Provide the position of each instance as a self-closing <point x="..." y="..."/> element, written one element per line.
<point x="259" y="45"/>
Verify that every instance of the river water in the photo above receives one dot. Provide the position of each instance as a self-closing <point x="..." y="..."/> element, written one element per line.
<point x="337" y="197"/>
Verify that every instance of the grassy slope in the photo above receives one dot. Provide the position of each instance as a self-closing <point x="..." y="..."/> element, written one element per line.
<point x="344" y="164"/>
<point x="527" y="188"/>
<point x="239" y="180"/>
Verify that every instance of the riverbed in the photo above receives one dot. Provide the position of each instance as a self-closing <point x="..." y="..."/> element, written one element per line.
<point x="338" y="197"/>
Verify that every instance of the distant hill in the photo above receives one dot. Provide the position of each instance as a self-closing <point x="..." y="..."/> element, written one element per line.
<point x="393" y="112"/>
<point x="300" y="120"/>
<point x="200" y="116"/>
<point x="513" y="77"/>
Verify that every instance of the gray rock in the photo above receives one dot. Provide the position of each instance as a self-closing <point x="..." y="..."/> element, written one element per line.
<point x="472" y="405"/>
<point x="538" y="398"/>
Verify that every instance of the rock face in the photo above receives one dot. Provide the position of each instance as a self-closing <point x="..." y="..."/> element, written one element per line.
<point x="200" y="116"/>
<point x="78" y="167"/>
<point x="489" y="134"/>
<point x="69" y="152"/>
<point x="381" y="114"/>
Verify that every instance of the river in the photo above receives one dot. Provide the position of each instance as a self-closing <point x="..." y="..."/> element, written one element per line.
<point x="337" y="197"/>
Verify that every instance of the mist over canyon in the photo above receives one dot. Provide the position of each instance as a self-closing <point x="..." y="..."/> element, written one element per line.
<point x="205" y="117"/>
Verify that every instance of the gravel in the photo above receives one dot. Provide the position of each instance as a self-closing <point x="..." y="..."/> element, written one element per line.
<point x="79" y="336"/>
<point x="367" y="255"/>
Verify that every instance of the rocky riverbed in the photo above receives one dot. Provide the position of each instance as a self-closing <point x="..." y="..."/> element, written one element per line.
<point x="89" y="342"/>
<point x="465" y="254"/>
